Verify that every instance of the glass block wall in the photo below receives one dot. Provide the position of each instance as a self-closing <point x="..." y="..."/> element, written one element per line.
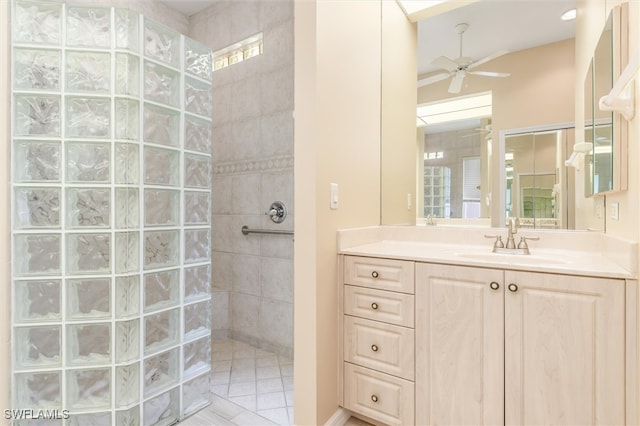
<point x="111" y="226"/>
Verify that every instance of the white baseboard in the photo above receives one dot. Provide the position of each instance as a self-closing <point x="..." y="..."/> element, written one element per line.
<point x="339" y="418"/>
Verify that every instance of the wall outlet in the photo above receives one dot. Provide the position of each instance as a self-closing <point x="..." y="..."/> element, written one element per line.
<point x="614" y="211"/>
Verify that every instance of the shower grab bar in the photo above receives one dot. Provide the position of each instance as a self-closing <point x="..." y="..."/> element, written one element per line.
<point x="246" y="231"/>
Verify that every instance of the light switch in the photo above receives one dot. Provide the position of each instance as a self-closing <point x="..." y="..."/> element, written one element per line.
<point x="409" y="204"/>
<point x="615" y="211"/>
<point x="333" y="194"/>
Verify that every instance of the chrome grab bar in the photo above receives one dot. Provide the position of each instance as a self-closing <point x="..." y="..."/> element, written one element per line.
<point x="246" y="231"/>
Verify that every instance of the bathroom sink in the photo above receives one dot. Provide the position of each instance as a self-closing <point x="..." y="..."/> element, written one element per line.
<point x="526" y="259"/>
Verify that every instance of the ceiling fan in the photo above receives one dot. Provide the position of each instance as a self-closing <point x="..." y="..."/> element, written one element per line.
<point x="460" y="67"/>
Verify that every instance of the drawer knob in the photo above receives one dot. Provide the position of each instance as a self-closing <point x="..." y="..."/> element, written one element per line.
<point x="374" y="398"/>
<point x="374" y="348"/>
<point x="513" y="288"/>
<point x="494" y="285"/>
<point x="375" y="274"/>
<point x="374" y="306"/>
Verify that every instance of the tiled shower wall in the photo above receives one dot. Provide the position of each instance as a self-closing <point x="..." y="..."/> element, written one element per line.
<point x="252" y="167"/>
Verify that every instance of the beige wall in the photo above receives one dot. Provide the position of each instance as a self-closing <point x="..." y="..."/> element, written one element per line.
<point x="5" y="226"/>
<point x="337" y="139"/>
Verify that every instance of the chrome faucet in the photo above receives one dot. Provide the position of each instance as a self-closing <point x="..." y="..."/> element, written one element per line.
<point x="512" y="228"/>
<point x="510" y="246"/>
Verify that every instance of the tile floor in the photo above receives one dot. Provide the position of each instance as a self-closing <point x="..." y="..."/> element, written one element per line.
<point x="249" y="386"/>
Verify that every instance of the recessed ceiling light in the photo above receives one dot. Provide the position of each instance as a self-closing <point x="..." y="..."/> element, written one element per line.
<point x="569" y="15"/>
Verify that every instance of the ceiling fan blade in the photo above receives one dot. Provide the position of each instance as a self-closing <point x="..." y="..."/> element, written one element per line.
<point x="456" y="83"/>
<point x="490" y="73"/>
<point x="487" y="59"/>
<point x="433" y="79"/>
<point x="445" y="63"/>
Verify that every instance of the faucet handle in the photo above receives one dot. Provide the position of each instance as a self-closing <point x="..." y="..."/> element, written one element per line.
<point x="498" y="243"/>
<point x="523" y="241"/>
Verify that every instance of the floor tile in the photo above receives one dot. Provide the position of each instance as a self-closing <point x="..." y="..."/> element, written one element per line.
<point x="276" y="415"/>
<point x="247" y="401"/>
<point x="242" y="389"/>
<point x="251" y="419"/>
<point x="267" y="373"/>
<point x="270" y="385"/>
<point x="267" y="401"/>
<point x="268" y="361"/>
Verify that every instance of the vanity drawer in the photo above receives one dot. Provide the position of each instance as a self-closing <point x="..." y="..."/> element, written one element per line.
<point x="386" y="274"/>
<point x="383" y="347"/>
<point x="382" y="397"/>
<point x="379" y="305"/>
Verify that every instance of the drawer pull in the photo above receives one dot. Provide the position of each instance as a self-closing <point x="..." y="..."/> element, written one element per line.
<point x="374" y="306"/>
<point x="375" y="274"/>
<point x="374" y="398"/>
<point x="494" y="285"/>
<point x="513" y="288"/>
<point x="374" y="348"/>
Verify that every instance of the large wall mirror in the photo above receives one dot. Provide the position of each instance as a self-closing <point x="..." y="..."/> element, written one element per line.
<point x="510" y="159"/>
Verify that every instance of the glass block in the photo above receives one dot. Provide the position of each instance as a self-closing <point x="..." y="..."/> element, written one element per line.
<point x="197" y="97"/>
<point x="197" y="171"/>
<point x="130" y="417"/>
<point x="37" y="346"/>
<point x="197" y="282"/>
<point x="127" y="252"/>
<point x="197" y="357"/>
<point x="38" y="254"/>
<point x="161" y="166"/>
<point x="37" y="301"/>
<point x="88" y="72"/>
<point x="89" y="299"/>
<point x="88" y="253"/>
<point x="37" y="116"/>
<point x="37" y="22"/>
<point x="161" y="290"/>
<point x="161" y="371"/>
<point x="162" y="410"/>
<point x="161" y="125"/>
<point x="197" y="134"/>
<point x="88" y="207"/>
<point x="162" y="207"/>
<point x="36" y="208"/>
<point x="195" y="394"/>
<point x="38" y="390"/>
<point x="127" y="385"/>
<point x="161" y="43"/>
<point x="197" y="208"/>
<point x="127" y="164"/>
<point x="127" y="29"/>
<point x="161" y="84"/>
<point x="161" y="248"/>
<point x="127" y="208"/>
<point x="36" y="69"/>
<point x="88" y="117"/>
<point x="88" y="162"/>
<point x="88" y="344"/>
<point x="89" y="27"/>
<point x="89" y="389"/>
<point x="92" y="419"/>
<point x="127" y="122"/>
<point x="127" y="74"/>
<point x="197" y="59"/>
<point x="127" y="301"/>
<point x="161" y="330"/>
<point x="196" y="245"/>
<point x="39" y="161"/>
<point x="127" y="340"/>
<point x="197" y="320"/>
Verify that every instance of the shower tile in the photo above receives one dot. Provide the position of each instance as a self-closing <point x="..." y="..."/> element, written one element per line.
<point x="244" y="315"/>
<point x="280" y="38"/>
<point x="222" y="105"/>
<point x="221" y="194"/>
<point x="37" y="347"/>
<point x="161" y="249"/>
<point x="37" y="301"/>
<point x="244" y="99"/>
<point x="242" y="389"/>
<point x="245" y="18"/>
<point x="89" y="27"/>
<point x="281" y="248"/>
<point x="127" y="296"/>
<point x="161" y="43"/>
<point x="222" y="264"/>
<point x="89" y="389"/>
<point x="266" y="401"/>
<point x="247" y="244"/>
<point x="89" y="299"/>
<point x="197" y="356"/>
<point x="245" y="137"/>
<point x="163" y="408"/>
<point x="197" y="134"/>
<point x="88" y="162"/>
<point x="161" y="125"/>
<point x="277" y="134"/>
<point x="276" y="322"/>
<point x="127" y="257"/>
<point x="37" y="208"/>
<point x="88" y="207"/>
<point x="263" y="373"/>
<point x="278" y="186"/>
<point x="197" y="320"/>
<point x="197" y="171"/>
<point x="88" y="117"/>
<point x="88" y="253"/>
<point x="223" y="150"/>
<point x="39" y="254"/>
<point x="246" y="274"/>
<point x="197" y="245"/>
<point x="197" y="208"/>
<point x="197" y="282"/>
<point x="88" y="72"/>
<point x="162" y="207"/>
<point x="38" y="23"/>
<point x="195" y="394"/>
<point x="127" y="122"/>
<point x="221" y="227"/>
<point x="38" y="390"/>
<point x="161" y="84"/>
<point x="127" y="164"/>
<point x="88" y="344"/>
<point x="269" y="386"/>
<point x="36" y="69"/>
<point x="161" y="166"/>
<point x="127" y="341"/>
<point x="127" y="74"/>
<point x="242" y="375"/>
<point x="37" y="115"/>
<point x="276" y="90"/>
<point x="276" y="279"/>
<point x="40" y="161"/>
<point x="197" y="97"/>
<point x="126" y="208"/>
<point x="220" y="310"/>
<point x="161" y="371"/>
<point x="246" y="190"/>
<point x="161" y="290"/>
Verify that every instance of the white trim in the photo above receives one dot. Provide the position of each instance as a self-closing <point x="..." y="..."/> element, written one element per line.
<point x="339" y="418"/>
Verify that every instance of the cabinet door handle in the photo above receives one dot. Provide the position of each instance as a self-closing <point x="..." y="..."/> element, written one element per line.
<point x="375" y="274"/>
<point x="513" y="288"/>
<point x="374" y="348"/>
<point x="374" y="306"/>
<point x="374" y="398"/>
<point x="494" y="285"/>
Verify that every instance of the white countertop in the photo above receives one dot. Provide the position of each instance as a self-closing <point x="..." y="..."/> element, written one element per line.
<point x="586" y="254"/>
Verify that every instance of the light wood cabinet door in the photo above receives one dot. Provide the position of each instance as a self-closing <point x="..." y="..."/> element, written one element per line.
<point x="564" y="350"/>
<point x="459" y="345"/>
<point x="379" y="305"/>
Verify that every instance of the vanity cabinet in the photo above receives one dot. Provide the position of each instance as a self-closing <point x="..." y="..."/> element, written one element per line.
<point x="512" y="347"/>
